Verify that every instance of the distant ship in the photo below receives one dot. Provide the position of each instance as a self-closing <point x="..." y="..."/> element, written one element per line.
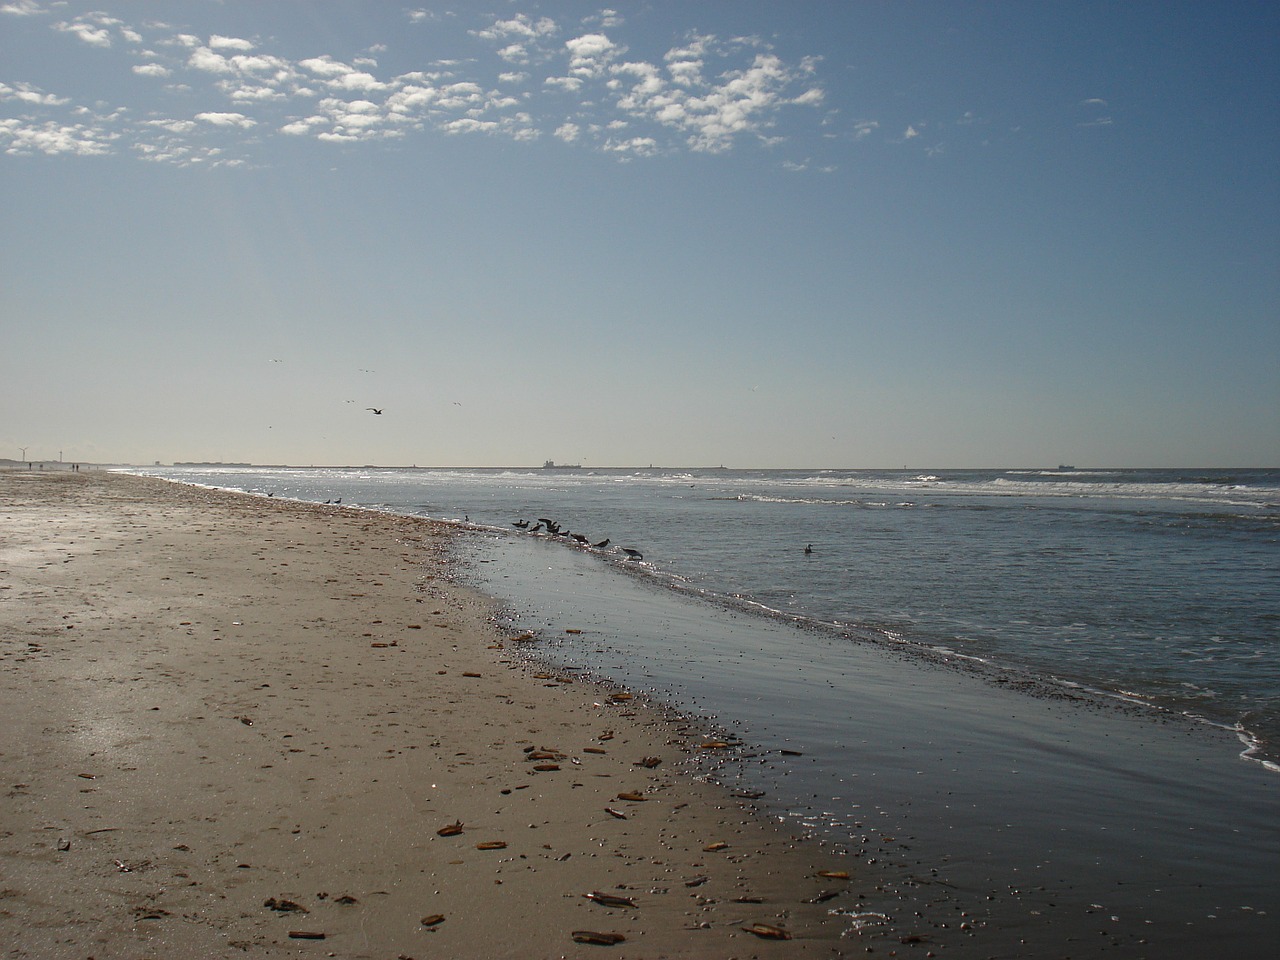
<point x="552" y="465"/>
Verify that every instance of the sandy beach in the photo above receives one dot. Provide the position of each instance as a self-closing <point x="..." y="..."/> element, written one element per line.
<point x="238" y="726"/>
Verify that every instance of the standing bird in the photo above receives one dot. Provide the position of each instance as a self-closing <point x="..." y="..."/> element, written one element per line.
<point x="376" y="411"/>
<point x="809" y="548"/>
<point x="633" y="554"/>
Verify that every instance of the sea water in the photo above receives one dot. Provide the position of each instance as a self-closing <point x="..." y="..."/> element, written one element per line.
<point x="1158" y="585"/>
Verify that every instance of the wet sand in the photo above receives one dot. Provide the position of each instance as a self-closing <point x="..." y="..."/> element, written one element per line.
<point x="236" y="726"/>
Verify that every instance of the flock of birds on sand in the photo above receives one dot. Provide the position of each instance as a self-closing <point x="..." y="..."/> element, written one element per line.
<point x="553" y="529"/>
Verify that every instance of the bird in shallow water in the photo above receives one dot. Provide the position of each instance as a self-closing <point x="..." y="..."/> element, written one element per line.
<point x="809" y="548"/>
<point x="602" y="544"/>
<point x="522" y="524"/>
<point x="632" y="554"/>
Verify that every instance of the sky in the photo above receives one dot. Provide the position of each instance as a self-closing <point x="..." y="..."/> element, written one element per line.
<point x="753" y="234"/>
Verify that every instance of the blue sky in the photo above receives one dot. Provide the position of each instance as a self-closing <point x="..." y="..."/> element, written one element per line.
<point x="742" y="233"/>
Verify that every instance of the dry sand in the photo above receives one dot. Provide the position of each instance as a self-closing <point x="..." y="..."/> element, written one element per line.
<point x="228" y="720"/>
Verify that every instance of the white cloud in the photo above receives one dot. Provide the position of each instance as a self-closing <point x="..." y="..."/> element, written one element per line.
<point x="567" y="84"/>
<point x="469" y="125"/>
<point x="207" y="61"/>
<point x="51" y="138"/>
<point x="325" y="66"/>
<point x="248" y="93"/>
<point x="23" y="8"/>
<point x="523" y="133"/>
<point x="635" y="147"/>
<point x="606" y="19"/>
<point x="259" y="64"/>
<point x="514" y="53"/>
<point x="358" y="81"/>
<point x="704" y="94"/>
<point x="28" y="93"/>
<point x="217" y="42"/>
<point x="95" y="36"/>
<point x="520" y="26"/>
<point x="151" y="70"/>
<point x="713" y="114"/>
<point x="590" y="54"/>
<point x="460" y="95"/>
<point x="173" y="126"/>
<point x="411" y="99"/>
<point x="301" y="127"/>
<point x="227" y="120"/>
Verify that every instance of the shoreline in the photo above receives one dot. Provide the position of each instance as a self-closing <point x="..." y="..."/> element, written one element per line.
<point x="235" y="724"/>
<point x="1053" y="822"/>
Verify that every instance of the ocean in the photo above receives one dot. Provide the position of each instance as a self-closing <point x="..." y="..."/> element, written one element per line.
<point x="924" y="654"/>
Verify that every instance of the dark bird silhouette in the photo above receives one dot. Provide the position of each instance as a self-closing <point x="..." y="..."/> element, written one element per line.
<point x="522" y="524"/>
<point x="551" y="525"/>
<point x="602" y="544"/>
<point x="809" y="548"/>
<point x="580" y="538"/>
<point x="633" y="554"/>
<point x="376" y="411"/>
<point x="536" y="529"/>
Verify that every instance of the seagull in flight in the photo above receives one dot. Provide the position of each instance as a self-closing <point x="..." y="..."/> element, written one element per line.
<point x="376" y="411"/>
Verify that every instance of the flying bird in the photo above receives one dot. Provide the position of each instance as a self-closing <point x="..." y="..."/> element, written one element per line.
<point x="376" y="411"/>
